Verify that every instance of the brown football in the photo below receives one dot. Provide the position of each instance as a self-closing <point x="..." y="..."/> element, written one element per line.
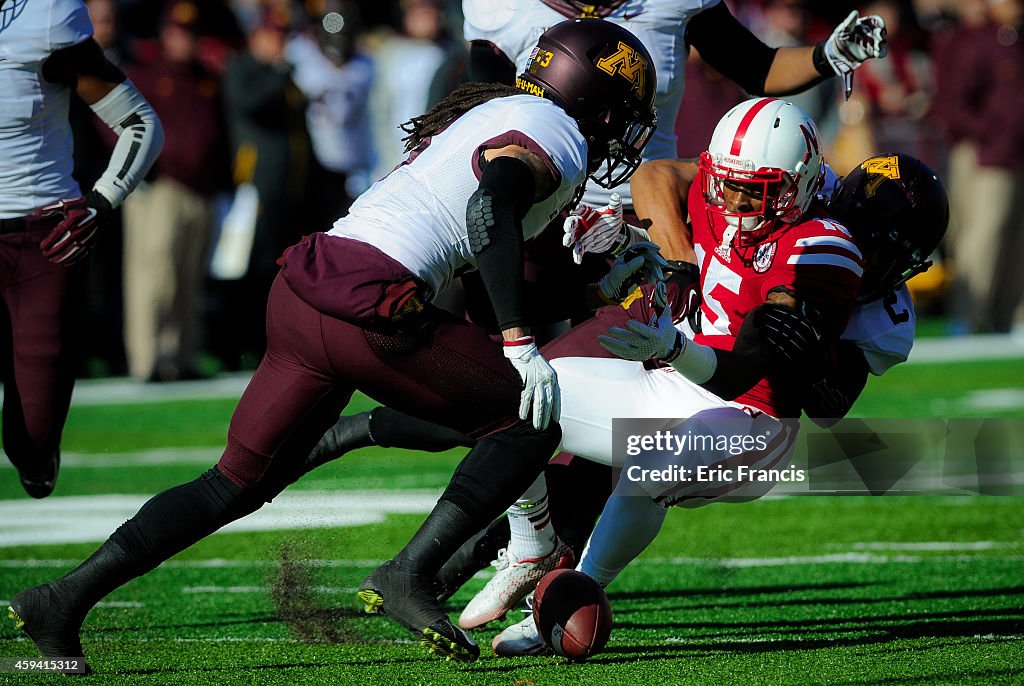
<point x="572" y="613"/>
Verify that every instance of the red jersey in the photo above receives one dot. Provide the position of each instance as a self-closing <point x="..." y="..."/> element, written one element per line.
<point x="816" y="259"/>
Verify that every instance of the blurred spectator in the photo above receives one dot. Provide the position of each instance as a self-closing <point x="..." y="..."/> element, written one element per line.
<point x="103" y="350"/>
<point x="897" y="90"/>
<point x="168" y="222"/>
<point x="336" y="79"/>
<point x="267" y="113"/>
<point x="784" y="24"/>
<point x="981" y="110"/>
<point x="708" y="96"/>
<point x="406" y="64"/>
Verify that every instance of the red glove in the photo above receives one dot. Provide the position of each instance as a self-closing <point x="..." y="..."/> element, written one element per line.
<point x="71" y="239"/>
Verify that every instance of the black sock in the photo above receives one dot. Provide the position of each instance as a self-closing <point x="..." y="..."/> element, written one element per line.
<point x="167" y="524"/>
<point x="392" y="429"/>
<point x="488" y="480"/>
<point x="577" y="493"/>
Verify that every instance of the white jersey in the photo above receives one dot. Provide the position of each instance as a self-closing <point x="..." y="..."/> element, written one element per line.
<point x="883" y="330"/>
<point x="513" y="26"/>
<point x="417" y="213"/>
<point x="35" y="135"/>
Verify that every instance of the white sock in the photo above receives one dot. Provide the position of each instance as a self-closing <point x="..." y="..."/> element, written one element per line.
<point x="530" y="523"/>
<point x="627" y="526"/>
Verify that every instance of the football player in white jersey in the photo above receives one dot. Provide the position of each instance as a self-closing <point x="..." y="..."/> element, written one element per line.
<point x="502" y="33"/>
<point x="47" y="223"/>
<point x="488" y="167"/>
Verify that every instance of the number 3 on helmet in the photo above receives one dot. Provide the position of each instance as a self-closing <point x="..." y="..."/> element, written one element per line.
<point x="768" y="149"/>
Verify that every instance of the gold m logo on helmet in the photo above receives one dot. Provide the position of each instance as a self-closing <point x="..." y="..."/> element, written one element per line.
<point x="628" y="64"/>
<point x="879" y="169"/>
<point x="589" y="12"/>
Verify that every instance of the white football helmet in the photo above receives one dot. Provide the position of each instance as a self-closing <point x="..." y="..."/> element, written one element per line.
<point x="769" y="149"/>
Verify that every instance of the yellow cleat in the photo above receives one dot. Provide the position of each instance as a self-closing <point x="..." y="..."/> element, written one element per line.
<point x="19" y="623"/>
<point x="372" y="601"/>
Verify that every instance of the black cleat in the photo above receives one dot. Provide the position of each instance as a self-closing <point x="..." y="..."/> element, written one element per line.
<point x="475" y="554"/>
<point x="348" y="433"/>
<point x="40" y="614"/>
<point x="408" y="599"/>
<point x="40" y="480"/>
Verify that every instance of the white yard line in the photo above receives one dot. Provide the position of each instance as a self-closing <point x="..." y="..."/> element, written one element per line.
<point x="854" y="558"/>
<point x="82" y="519"/>
<point x="967" y="348"/>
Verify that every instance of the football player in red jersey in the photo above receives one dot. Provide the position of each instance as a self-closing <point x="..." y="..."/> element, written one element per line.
<point x="488" y="167"/>
<point x="897" y="210"/>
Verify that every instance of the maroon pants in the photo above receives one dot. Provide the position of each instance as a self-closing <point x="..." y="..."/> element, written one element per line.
<point x="432" y="365"/>
<point x="36" y="337"/>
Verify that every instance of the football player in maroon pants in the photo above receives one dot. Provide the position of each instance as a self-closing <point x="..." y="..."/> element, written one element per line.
<point x="47" y="223"/>
<point x="488" y="167"/>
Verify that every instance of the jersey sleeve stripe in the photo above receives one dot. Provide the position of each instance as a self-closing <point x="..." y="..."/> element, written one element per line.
<point x="827" y="259"/>
<point x="835" y="241"/>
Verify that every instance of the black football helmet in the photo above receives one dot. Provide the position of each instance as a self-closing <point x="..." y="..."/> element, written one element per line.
<point x="604" y="78"/>
<point x="897" y="209"/>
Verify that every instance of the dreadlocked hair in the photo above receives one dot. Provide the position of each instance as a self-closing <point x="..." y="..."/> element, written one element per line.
<point x="458" y="102"/>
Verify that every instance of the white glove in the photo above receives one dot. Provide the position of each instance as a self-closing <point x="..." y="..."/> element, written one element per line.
<point x="540" y="382"/>
<point x="639" y="262"/>
<point x="659" y="340"/>
<point x="600" y="230"/>
<point x="854" y="42"/>
<point x="594" y="229"/>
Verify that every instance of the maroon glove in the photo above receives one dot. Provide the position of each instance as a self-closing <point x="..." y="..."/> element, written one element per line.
<point x="80" y="221"/>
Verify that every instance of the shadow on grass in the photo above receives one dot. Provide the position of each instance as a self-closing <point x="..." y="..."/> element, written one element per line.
<point x="789" y="602"/>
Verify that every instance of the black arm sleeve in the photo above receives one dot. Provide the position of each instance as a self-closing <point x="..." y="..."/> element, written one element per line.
<point x="832" y="391"/>
<point x="82" y="59"/>
<point x="730" y="48"/>
<point x="488" y="64"/>
<point x="494" y="219"/>
<point x="739" y="369"/>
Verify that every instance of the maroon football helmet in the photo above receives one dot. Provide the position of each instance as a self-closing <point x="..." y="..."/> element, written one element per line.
<point x="604" y="78"/>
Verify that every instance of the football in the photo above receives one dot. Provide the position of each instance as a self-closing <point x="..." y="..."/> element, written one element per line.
<point x="572" y="613"/>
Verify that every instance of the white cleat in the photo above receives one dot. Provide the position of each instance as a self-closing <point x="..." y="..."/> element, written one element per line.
<point x="512" y="582"/>
<point x="520" y="639"/>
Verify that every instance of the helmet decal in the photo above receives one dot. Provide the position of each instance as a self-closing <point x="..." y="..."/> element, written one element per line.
<point x="628" y="64"/>
<point x="741" y="130"/>
<point x="879" y="169"/>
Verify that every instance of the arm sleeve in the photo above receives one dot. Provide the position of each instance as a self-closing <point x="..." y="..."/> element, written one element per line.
<point x="489" y="64"/>
<point x="834" y="389"/>
<point x="140" y="137"/>
<point x="69" y="24"/>
<point x="730" y="48"/>
<point x="494" y="221"/>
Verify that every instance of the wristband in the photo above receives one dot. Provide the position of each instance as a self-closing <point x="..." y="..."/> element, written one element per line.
<point x="696" y="362"/>
<point x="515" y="342"/>
<point x="821" y="63"/>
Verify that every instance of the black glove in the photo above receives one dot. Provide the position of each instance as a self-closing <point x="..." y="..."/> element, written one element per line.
<point x="789" y="334"/>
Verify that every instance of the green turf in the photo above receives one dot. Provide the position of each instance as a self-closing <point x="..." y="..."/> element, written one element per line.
<point x="724" y="614"/>
<point x="804" y="590"/>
